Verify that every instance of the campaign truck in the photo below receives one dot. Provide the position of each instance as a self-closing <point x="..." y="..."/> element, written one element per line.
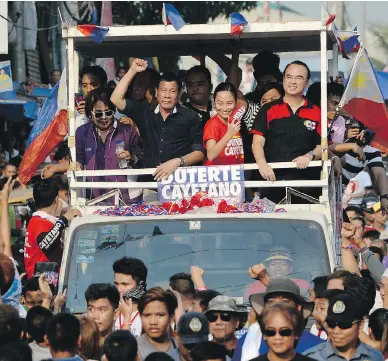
<point x="224" y="244"/>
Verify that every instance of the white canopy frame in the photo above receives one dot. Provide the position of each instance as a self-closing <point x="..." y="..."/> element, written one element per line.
<point x="309" y="35"/>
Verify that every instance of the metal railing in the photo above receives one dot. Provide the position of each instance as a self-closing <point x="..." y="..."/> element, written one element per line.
<point x="76" y="184"/>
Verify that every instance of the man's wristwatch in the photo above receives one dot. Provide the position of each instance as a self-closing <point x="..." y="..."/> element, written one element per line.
<point x="182" y="163"/>
<point x="312" y="155"/>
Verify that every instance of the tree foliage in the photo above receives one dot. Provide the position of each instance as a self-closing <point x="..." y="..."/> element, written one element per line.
<point x="193" y="12"/>
<point x="381" y="34"/>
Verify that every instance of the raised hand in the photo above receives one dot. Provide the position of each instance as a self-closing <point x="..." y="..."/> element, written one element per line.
<point x="139" y="65"/>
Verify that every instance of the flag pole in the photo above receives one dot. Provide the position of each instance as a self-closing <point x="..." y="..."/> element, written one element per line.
<point x="360" y="52"/>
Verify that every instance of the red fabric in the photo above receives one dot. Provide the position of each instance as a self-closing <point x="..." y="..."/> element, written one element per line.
<point x="258" y="287"/>
<point x="369" y="228"/>
<point x="86" y="29"/>
<point x="236" y="29"/>
<point x="329" y="20"/>
<point x="32" y="253"/>
<point x="233" y="153"/>
<point x="373" y="115"/>
<point x="42" y="146"/>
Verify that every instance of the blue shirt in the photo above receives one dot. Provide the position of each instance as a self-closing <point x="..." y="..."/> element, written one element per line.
<point x="306" y="341"/>
<point x="326" y="351"/>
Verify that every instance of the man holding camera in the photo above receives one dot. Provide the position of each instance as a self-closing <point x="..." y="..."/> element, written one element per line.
<point x="353" y="164"/>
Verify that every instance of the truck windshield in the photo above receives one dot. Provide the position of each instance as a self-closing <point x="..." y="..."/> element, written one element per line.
<point x="224" y="248"/>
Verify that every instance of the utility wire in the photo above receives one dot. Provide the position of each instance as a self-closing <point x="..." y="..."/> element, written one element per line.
<point x="23" y="27"/>
<point x="43" y="29"/>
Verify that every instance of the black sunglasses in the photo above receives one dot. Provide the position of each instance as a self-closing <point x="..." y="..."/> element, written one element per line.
<point x="213" y="316"/>
<point x="285" y="332"/>
<point x="107" y="113"/>
<point x="343" y="325"/>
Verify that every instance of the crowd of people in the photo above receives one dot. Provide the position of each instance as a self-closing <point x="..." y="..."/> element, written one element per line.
<point x="344" y="316"/>
<point x="139" y="120"/>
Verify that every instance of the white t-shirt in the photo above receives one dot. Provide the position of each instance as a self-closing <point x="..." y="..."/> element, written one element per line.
<point x="252" y="342"/>
<point x="319" y="333"/>
<point x="136" y="327"/>
<point x="359" y="183"/>
<point x="14" y="153"/>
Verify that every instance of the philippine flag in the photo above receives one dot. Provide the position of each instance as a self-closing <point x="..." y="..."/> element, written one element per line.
<point x="171" y="16"/>
<point x="364" y="101"/>
<point x="348" y="42"/>
<point x="94" y="32"/>
<point x="237" y="23"/>
<point x="50" y="128"/>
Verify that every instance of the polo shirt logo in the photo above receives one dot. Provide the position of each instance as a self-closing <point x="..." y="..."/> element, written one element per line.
<point x="310" y="125"/>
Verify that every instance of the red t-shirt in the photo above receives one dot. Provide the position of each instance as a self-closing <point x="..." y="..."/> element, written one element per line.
<point x="42" y="243"/>
<point x="233" y="153"/>
<point x="258" y="287"/>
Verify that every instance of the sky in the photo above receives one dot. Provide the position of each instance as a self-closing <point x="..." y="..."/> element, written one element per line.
<point x="376" y="11"/>
<point x="375" y="15"/>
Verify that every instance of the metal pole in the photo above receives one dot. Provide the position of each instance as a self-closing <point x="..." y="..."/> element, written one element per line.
<point x="18" y="54"/>
<point x="340" y="12"/>
<point x="363" y="23"/>
<point x="71" y="115"/>
<point x="324" y="93"/>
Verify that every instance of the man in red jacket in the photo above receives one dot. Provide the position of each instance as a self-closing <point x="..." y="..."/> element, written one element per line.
<point x="43" y="238"/>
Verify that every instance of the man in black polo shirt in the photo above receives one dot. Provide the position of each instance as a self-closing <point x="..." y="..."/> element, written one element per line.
<point x="199" y="87"/>
<point x="288" y="129"/>
<point x="172" y="135"/>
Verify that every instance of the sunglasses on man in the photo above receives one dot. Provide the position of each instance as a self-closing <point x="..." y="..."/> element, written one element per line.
<point x="343" y="325"/>
<point x="213" y="316"/>
<point x="284" y="332"/>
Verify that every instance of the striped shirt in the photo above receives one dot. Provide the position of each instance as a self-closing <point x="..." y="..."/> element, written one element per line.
<point x="354" y="165"/>
<point x="250" y="114"/>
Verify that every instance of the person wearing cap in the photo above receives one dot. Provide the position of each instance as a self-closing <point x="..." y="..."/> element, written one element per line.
<point x="222" y="315"/>
<point x="130" y="279"/>
<point x="252" y="344"/>
<point x="278" y="264"/>
<point x="193" y="328"/>
<point x="372" y="206"/>
<point x="344" y="321"/>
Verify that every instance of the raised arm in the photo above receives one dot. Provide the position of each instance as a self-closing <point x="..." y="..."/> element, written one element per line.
<point x="5" y="227"/>
<point x="226" y="64"/>
<point x="118" y="95"/>
<point x="378" y="174"/>
<point x="348" y="260"/>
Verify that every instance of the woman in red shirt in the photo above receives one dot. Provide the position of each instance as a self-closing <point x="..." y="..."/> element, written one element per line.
<point x="221" y="136"/>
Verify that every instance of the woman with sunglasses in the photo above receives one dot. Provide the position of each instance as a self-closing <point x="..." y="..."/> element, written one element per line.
<point x="103" y="143"/>
<point x="281" y="325"/>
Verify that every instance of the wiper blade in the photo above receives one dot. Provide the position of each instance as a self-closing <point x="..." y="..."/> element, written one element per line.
<point x="129" y="238"/>
<point x="106" y="245"/>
